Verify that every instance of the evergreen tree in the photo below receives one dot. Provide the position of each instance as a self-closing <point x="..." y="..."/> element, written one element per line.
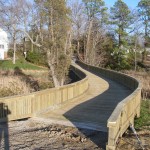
<point x="121" y="19"/>
<point x="144" y="12"/>
<point x="95" y="9"/>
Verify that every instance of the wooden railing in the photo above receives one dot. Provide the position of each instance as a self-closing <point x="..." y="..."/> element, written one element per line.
<point x="126" y="110"/>
<point x="25" y="106"/>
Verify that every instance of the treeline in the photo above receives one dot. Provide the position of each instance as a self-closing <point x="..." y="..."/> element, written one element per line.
<point x="116" y="38"/>
<point x="51" y="31"/>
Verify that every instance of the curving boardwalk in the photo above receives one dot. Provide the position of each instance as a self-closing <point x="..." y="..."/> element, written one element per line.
<point x="92" y="109"/>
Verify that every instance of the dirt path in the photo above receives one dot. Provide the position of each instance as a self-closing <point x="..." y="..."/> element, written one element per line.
<point x="34" y="134"/>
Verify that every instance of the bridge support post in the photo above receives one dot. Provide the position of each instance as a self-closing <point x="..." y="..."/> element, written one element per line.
<point x="112" y="135"/>
<point x="110" y="147"/>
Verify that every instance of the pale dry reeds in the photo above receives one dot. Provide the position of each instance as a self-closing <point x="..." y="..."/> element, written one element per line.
<point x="13" y="85"/>
<point x="16" y="82"/>
<point x="144" y="77"/>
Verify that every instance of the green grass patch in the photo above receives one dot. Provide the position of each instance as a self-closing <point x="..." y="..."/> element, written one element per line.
<point x="21" y="64"/>
<point x="144" y="119"/>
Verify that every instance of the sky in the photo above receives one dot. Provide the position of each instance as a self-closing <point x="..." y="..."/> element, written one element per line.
<point x="109" y="3"/>
<point x="131" y="3"/>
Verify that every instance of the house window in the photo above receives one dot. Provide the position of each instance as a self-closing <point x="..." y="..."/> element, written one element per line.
<point x="1" y="46"/>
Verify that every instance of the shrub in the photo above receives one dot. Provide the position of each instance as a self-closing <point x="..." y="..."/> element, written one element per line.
<point x="19" y="54"/>
<point x="45" y="85"/>
<point x="119" y="60"/>
<point x="10" y="53"/>
<point x="37" y="58"/>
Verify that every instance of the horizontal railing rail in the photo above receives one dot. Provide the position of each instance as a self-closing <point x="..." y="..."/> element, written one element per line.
<point x="125" y="112"/>
<point x="25" y="106"/>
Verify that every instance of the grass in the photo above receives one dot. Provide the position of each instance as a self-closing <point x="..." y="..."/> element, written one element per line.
<point x="144" y="119"/>
<point x="21" y="64"/>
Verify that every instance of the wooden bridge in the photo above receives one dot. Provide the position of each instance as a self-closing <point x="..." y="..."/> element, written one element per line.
<point x="103" y="100"/>
<point x="93" y="108"/>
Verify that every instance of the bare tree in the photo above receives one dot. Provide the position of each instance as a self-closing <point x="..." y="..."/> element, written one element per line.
<point x="10" y="21"/>
<point x="78" y="22"/>
<point x="14" y="18"/>
<point x="47" y="26"/>
<point x="96" y="17"/>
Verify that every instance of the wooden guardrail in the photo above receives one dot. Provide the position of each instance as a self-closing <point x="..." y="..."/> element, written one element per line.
<point x="126" y="110"/>
<point x="25" y="106"/>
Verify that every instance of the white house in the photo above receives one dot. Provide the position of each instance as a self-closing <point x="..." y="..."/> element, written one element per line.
<point x="3" y="44"/>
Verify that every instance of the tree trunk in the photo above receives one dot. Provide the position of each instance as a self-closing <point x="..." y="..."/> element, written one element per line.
<point x="84" y="49"/>
<point x="78" y="47"/>
<point x="143" y="55"/>
<point x="55" y="80"/>
<point x="69" y="43"/>
<point x="62" y="81"/>
<point x="119" y="40"/>
<point x="135" y="59"/>
<point x="51" y="24"/>
<point x="93" y="59"/>
<point x="32" y="44"/>
<point x="14" y="54"/>
<point x="66" y="44"/>
<point x="145" y="45"/>
<point x="88" y="41"/>
<point x="78" y="43"/>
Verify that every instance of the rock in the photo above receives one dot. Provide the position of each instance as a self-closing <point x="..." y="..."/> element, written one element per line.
<point x="76" y="139"/>
<point x="83" y="140"/>
<point x="29" y="140"/>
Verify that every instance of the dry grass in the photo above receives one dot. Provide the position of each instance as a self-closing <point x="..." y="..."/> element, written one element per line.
<point x="16" y="82"/>
<point x="144" y="77"/>
<point x="39" y="75"/>
<point x="42" y="77"/>
<point x="13" y="85"/>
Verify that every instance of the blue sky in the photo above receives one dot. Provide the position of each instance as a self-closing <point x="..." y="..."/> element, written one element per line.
<point x="109" y="3"/>
<point x="130" y="3"/>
